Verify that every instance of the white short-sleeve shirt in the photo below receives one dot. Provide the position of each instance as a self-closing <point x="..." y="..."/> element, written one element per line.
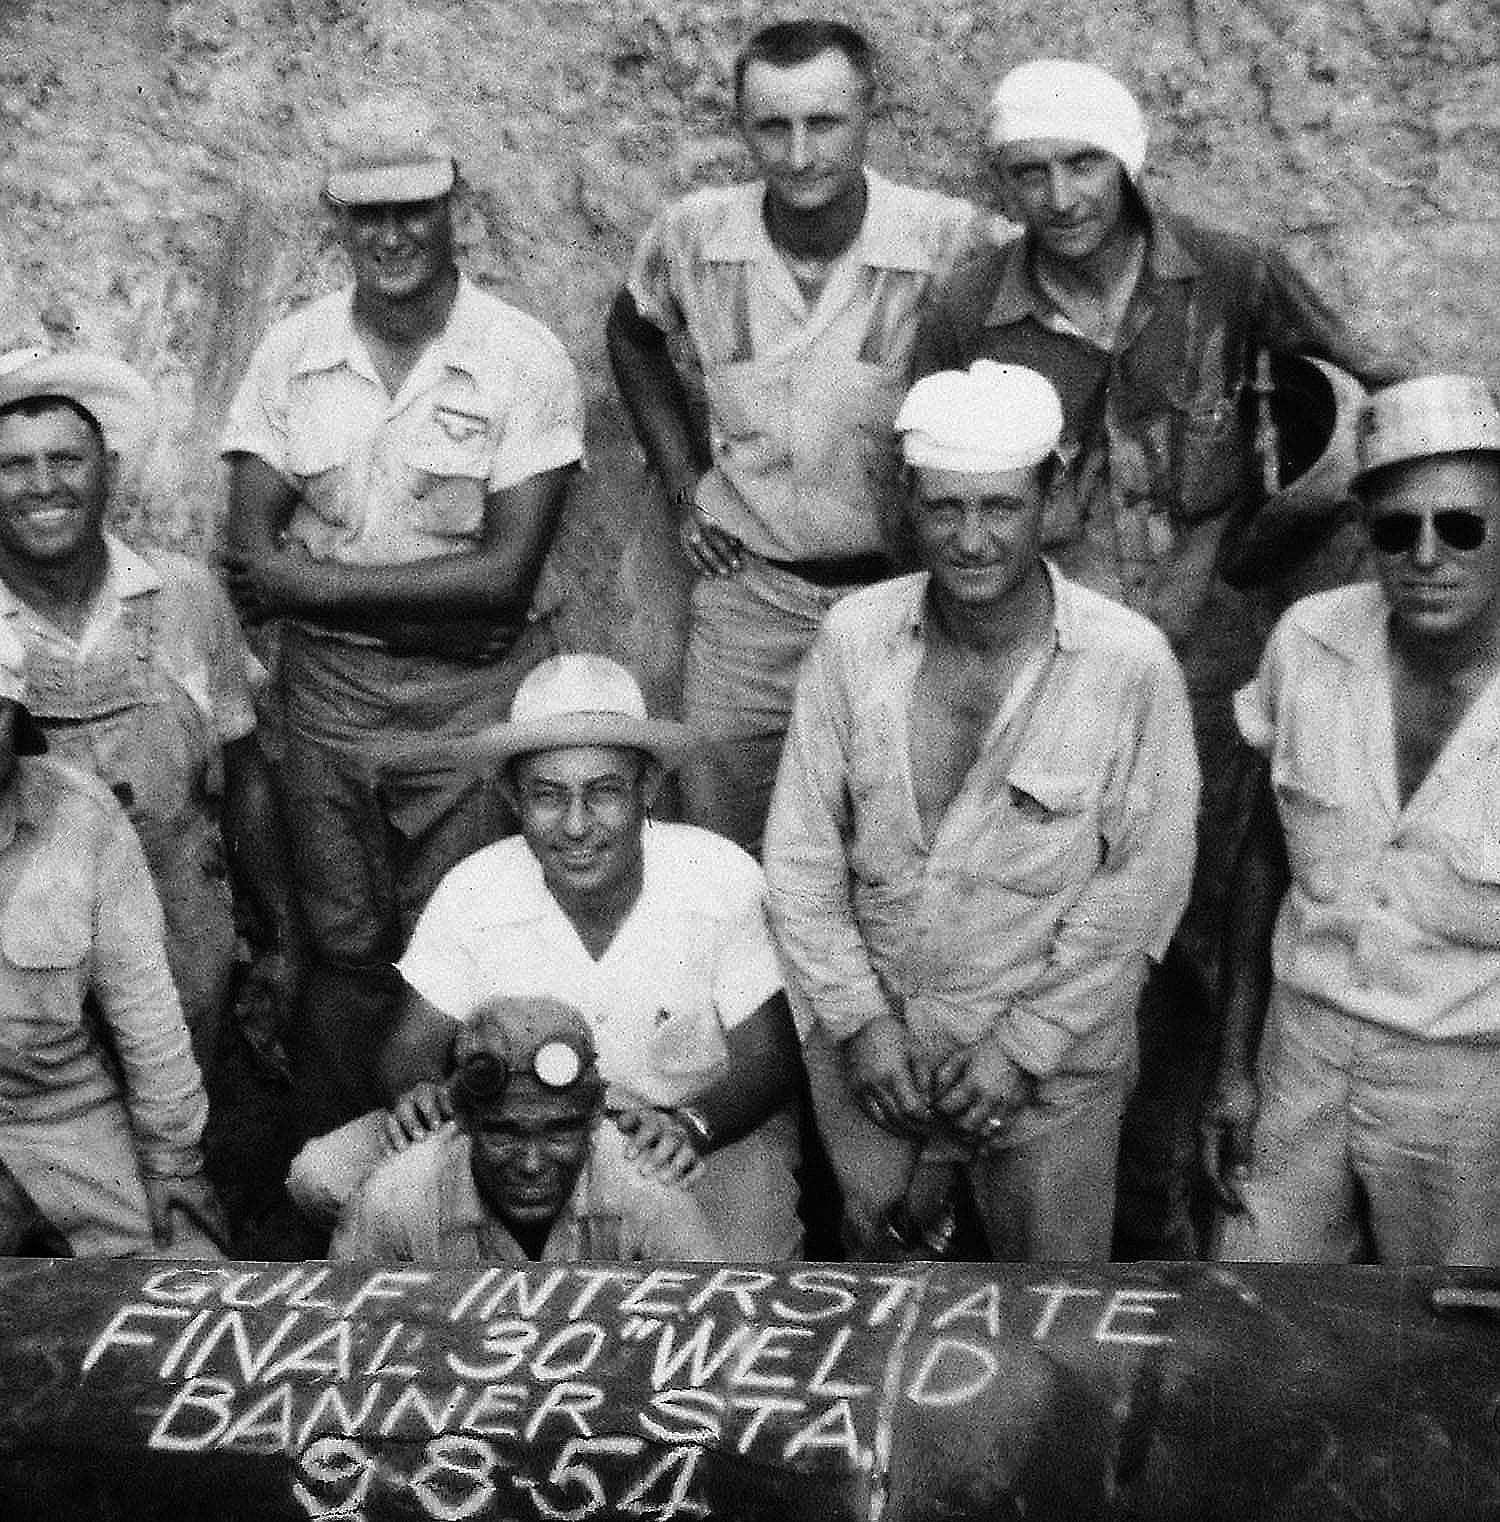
<point x="693" y="960"/>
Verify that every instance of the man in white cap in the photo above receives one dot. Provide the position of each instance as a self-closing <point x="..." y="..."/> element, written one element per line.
<point x="655" y="931"/>
<point x="1153" y="328"/>
<point x="530" y="1173"/>
<point x="981" y="834"/>
<point x="101" y="1104"/>
<point x="137" y="672"/>
<point x="1356" y="1117"/>
<point x="796" y="294"/>
<point x="399" y="454"/>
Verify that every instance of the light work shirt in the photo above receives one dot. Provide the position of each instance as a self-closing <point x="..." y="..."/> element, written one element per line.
<point x="1062" y="863"/>
<point x="385" y="480"/>
<point x="1393" y="913"/>
<point x="78" y="916"/>
<point x="801" y="395"/>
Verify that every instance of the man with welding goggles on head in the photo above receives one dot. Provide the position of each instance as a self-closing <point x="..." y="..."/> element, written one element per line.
<point x="527" y="1173"/>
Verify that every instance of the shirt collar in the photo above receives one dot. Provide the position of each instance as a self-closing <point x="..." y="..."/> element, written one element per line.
<point x="1359" y="635"/>
<point x="1017" y="295"/>
<point x="331" y="340"/>
<point x="126" y="574"/>
<point x="889" y="237"/>
<point x="1066" y="626"/>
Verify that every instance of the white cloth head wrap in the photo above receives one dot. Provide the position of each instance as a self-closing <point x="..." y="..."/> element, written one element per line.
<point x="1057" y="97"/>
<point x="987" y="418"/>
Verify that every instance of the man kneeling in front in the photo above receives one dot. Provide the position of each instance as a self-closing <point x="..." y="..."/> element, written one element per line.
<point x="528" y="1173"/>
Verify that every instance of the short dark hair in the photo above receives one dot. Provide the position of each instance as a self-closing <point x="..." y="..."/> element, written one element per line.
<point x="36" y="406"/>
<point x="785" y="44"/>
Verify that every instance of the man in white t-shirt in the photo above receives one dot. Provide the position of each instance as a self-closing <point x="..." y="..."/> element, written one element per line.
<point x="655" y="931"/>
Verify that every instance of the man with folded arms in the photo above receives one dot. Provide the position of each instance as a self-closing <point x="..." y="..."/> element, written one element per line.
<point x="1355" y="1113"/>
<point x="531" y="1172"/>
<point x="399" y="452"/>
<point x="981" y="835"/>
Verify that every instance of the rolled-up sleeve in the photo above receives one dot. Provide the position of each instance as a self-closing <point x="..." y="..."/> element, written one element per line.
<point x="830" y="980"/>
<point x="163" y="1088"/>
<point x="1131" y="905"/>
<point x="651" y="281"/>
<point x="257" y="419"/>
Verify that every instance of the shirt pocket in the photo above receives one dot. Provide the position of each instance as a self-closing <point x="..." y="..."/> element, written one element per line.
<point x="316" y="460"/>
<point x="1470" y="912"/>
<point x="687" y="1047"/>
<point x="1313" y="825"/>
<point x="1049" y="839"/>
<point x="448" y="466"/>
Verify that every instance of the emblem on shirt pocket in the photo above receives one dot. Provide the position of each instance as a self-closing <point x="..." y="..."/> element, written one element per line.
<point x="460" y="427"/>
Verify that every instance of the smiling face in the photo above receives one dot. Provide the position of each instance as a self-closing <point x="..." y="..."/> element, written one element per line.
<point x="528" y="1149"/>
<point x="582" y="811"/>
<point x="1437" y="589"/>
<point x="399" y="250"/>
<point x="805" y="126"/>
<point x="979" y="536"/>
<point x="54" y="485"/>
<point x="1070" y="196"/>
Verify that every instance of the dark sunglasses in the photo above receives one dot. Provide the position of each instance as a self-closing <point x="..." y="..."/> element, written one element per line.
<point x="1397" y="533"/>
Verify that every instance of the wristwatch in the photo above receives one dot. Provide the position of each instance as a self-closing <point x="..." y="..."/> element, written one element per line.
<point x="695" y="1123"/>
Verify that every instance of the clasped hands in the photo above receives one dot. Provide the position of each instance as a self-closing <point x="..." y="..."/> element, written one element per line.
<point x="974" y="1090"/>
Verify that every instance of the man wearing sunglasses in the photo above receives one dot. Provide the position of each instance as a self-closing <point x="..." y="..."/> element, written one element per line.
<point x="529" y="1174"/>
<point x="1355" y="1111"/>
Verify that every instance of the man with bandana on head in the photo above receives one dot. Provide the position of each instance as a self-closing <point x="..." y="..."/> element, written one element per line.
<point x="1150" y="325"/>
<point x="981" y="834"/>
<point x="529" y="1173"/>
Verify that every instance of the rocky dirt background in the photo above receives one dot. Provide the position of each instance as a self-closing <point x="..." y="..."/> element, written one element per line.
<point x="160" y="167"/>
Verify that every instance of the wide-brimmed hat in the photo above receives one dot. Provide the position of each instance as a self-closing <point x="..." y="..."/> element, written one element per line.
<point x="1316" y="408"/>
<point x="1427" y="416"/>
<point x="389" y="149"/>
<point x="113" y="394"/>
<point x="580" y="699"/>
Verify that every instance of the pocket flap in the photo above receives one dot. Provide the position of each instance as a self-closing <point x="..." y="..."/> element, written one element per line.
<point x="48" y="923"/>
<point x="1045" y="793"/>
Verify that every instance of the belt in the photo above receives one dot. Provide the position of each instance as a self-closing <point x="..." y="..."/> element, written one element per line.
<point x="840" y="571"/>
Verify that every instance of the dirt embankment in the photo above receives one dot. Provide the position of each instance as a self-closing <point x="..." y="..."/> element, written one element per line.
<point x="161" y="163"/>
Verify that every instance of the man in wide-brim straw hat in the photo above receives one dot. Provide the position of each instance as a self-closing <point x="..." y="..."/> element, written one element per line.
<point x="655" y="931"/>
<point x="138" y="673"/>
<point x="1355" y="1112"/>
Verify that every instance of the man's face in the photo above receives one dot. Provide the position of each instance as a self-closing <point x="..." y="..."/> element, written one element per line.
<point x="1070" y="196"/>
<point x="805" y="127"/>
<point x="582" y="812"/>
<point x="54" y="486"/>
<point x="399" y="250"/>
<point x="979" y="536"/>
<point x="1413" y="512"/>
<point x="528" y="1149"/>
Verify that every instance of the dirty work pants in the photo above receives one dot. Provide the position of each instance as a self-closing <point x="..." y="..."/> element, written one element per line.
<point x="83" y="1174"/>
<point x="1369" y="1143"/>
<point x="747" y="634"/>
<point x="371" y="839"/>
<point x="1046" y="1195"/>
